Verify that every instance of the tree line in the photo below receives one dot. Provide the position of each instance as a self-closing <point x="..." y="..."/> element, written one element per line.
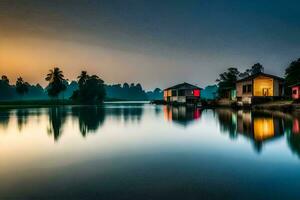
<point x="87" y="89"/>
<point x="227" y="79"/>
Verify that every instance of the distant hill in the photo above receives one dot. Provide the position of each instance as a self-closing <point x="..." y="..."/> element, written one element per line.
<point x="131" y="92"/>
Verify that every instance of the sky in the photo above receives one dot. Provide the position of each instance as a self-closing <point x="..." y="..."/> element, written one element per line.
<point x="157" y="43"/>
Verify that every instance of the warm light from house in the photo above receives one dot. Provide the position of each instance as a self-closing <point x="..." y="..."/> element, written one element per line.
<point x="167" y="113"/>
<point x="263" y="86"/>
<point x="295" y="92"/>
<point x="165" y="93"/>
<point x="263" y="128"/>
<point x="196" y="93"/>
<point x="296" y="126"/>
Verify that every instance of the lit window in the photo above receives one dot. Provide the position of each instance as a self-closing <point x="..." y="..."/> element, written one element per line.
<point x="196" y="93"/>
<point x="295" y="91"/>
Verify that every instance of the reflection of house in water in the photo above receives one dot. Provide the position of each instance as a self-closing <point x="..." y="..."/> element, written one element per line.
<point x="227" y="119"/>
<point x="181" y="114"/>
<point x="293" y="136"/>
<point x="296" y="126"/>
<point x="260" y="127"/>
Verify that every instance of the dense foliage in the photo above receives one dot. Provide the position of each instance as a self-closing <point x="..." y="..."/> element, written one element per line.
<point x="227" y="80"/>
<point x="292" y="73"/>
<point x="255" y="69"/>
<point x="21" y="86"/>
<point x="91" y="89"/>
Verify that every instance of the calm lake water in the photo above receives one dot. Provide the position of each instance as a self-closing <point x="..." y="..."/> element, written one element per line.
<point x="142" y="151"/>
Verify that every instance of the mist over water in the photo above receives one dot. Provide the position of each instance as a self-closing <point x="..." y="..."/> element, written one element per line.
<point x="143" y="151"/>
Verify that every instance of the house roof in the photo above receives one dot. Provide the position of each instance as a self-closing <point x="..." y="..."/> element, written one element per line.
<point x="296" y="84"/>
<point x="260" y="74"/>
<point x="184" y="86"/>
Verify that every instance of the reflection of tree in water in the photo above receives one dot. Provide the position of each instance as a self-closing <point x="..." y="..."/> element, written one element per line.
<point x="157" y="110"/>
<point x="4" y="118"/>
<point x="22" y="117"/>
<point x="129" y="113"/>
<point x="293" y="134"/>
<point x="90" y="118"/>
<point x="57" y="118"/>
<point x="293" y="141"/>
<point x="227" y="120"/>
<point x="132" y="113"/>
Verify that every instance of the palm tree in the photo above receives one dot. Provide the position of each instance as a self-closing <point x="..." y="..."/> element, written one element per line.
<point x="82" y="78"/>
<point x="56" y="81"/>
<point x="5" y="79"/>
<point x="55" y="75"/>
<point x="21" y="86"/>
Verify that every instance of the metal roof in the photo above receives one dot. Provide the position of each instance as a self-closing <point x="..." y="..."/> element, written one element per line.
<point x="259" y="74"/>
<point x="187" y="85"/>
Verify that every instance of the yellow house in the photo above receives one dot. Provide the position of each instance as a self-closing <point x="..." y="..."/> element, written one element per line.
<point x="258" y="86"/>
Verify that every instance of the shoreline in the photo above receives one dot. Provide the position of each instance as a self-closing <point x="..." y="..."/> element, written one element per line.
<point x="53" y="103"/>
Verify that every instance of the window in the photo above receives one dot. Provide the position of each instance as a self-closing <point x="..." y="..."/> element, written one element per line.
<point x="196" y="93"/>
<point x="244" y="88"/>
<point x="181" y="93"/>
<point x="174" y="93"/>
<point x="165" y="93"/>
<point x="249" y="88"/>
<point x="294" y="91"/>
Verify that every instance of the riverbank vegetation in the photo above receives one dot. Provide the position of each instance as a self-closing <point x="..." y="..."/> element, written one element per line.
<point x="60" y="88"/>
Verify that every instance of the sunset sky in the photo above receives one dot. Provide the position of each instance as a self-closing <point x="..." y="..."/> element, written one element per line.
<point x="155" y="43"/>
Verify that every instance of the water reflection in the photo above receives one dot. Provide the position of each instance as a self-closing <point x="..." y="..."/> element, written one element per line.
<point x="181" y="115"/>
<point x="22" y="118"/>
<point x="90" y="118"/>
<point x="133" y="144"/>
<point x="57" y="118"/>
<point x="228" y="122"/>
<point x="4" y="118"/>
<point x="259" y="127"/>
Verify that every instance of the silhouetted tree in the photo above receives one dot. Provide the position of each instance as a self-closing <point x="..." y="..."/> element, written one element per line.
<point x="5" y="79"/>
<point x="256" y="68"/>
<point x="21" y="86"/>
<point x="56" y="82"/>
<point x="292" y="73"/>
<point x="82" y="78"/>
<point x="7" y="91"/>
<point x="227" y="80"/>
<point x="91" y="90"/>
<point x="126" y="86"/>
